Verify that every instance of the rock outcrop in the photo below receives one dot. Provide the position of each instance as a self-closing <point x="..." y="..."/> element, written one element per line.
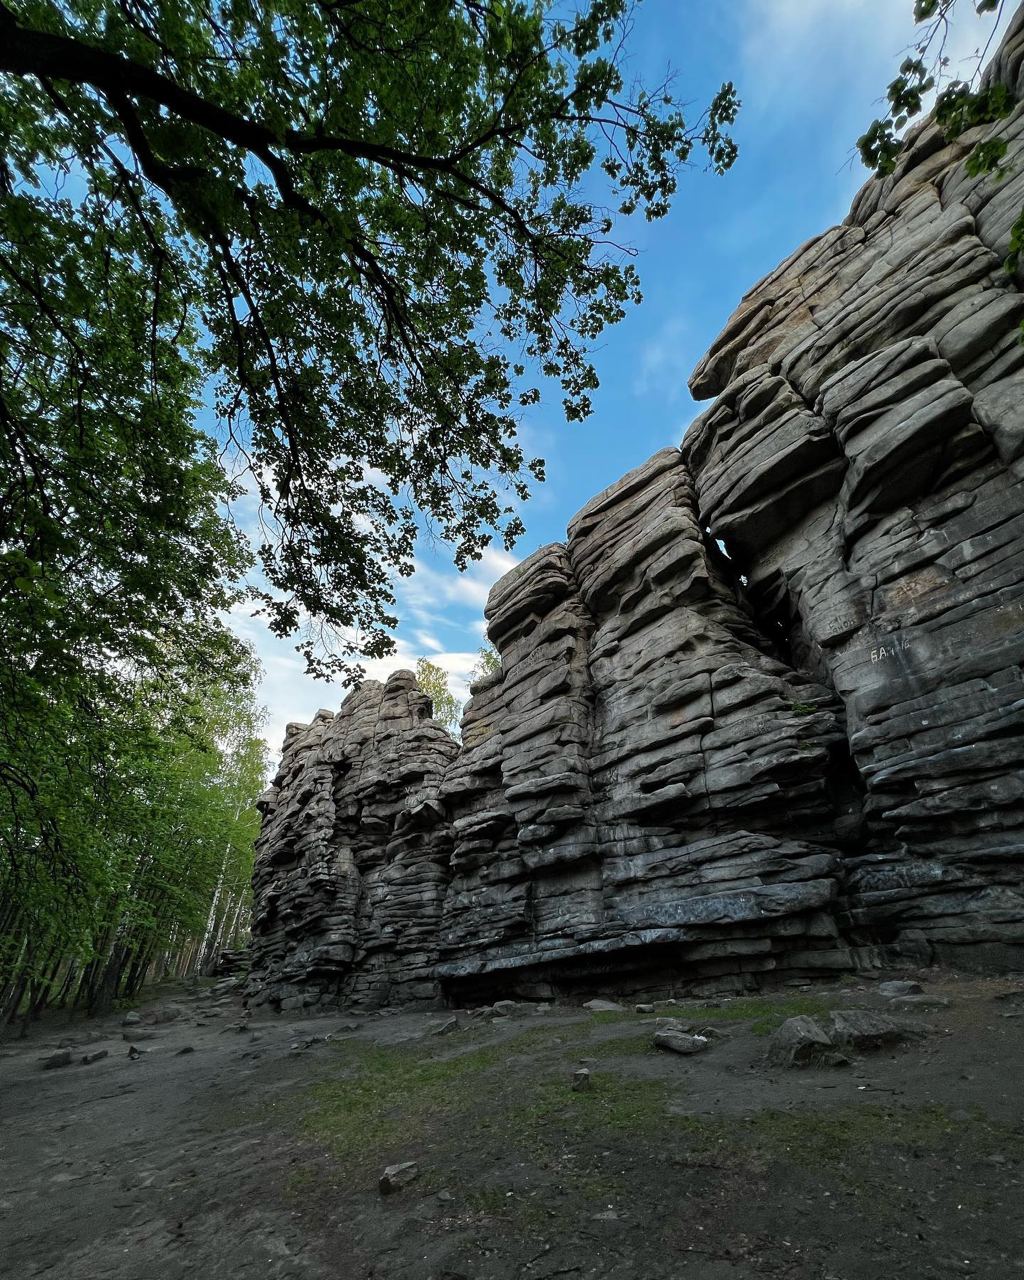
<point x="762" y="715"/>
<point x="353" y="857"/>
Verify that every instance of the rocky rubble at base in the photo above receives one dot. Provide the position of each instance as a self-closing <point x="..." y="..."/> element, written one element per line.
<point x="761" y="716"/>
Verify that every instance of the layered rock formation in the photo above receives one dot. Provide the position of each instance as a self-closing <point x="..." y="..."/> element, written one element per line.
<point x="354" y="852"/>
<point x="762" y="715"/>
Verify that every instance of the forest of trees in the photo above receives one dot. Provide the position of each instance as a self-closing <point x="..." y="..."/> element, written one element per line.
<point x="127" y="839"/>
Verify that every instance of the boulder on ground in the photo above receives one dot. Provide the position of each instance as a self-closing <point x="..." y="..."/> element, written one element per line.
<point x="604" y="1006"/>
<point x="899" y="987"/>
<point x="801" y="1042"/>
<point x="397" y="1176"/>
<point x="163" y="1013"/>
<point x="680" y="1042"/>
<point x="675" y="1024"/>
<point x="920" y="1001"/>
<point x="863" y="1030"/>
<point x="62" y="1058"/>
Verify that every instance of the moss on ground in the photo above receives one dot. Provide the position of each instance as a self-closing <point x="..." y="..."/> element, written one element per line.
<point x="486" y="1119"/>
<point x="821" y="1138"/>
<point x="391" y="1096"/>
<point x="764" y="1015"/>
<point x="387" y="1094"/>
<point x="514" y="1096"/>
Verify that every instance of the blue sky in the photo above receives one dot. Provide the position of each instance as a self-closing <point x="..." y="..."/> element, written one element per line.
<point x="811" y="75"/>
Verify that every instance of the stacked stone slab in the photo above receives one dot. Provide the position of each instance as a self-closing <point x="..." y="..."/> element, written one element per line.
<point x="352" y="859"/>
<point x="662" y="783"/>
<point x="863" y="464"/>
<point x="762" y="715"/>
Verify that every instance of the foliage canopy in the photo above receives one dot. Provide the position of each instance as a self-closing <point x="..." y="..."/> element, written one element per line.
<point x="361" y="222"/>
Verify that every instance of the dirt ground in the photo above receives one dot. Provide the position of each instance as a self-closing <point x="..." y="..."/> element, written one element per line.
<point x="258" y="1152"/>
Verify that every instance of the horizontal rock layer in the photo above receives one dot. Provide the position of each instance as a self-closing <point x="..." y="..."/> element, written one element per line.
<point x="762" y="714"/>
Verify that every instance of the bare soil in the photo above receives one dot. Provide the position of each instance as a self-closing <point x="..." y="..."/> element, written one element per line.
<point x="249" y="1156"/>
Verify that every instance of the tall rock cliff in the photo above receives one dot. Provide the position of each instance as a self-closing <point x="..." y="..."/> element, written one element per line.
<point x="762" y="714"/>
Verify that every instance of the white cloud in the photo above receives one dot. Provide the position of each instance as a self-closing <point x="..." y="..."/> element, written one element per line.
<point x="788" y="43"/>
<point x="457" y="666"/>
<point x="664" y="362"/>
<point x="802" y="55"/>
<point x="427" y="642"/>
<point x="429" y="589"/>
<point x="291" y="695"/>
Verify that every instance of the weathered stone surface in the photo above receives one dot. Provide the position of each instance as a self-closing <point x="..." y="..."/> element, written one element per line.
<point x="800" y="1042"/>
<point x="761" y="716"/>
<point x="804" y="1041"/>
<point x="862" y="1029"/>
<point x="861" y="466"/>
<point x="898" y="987"/>
<point x="920" y="1002"/>
<point x="680" y="1042"/>
<point x="353" y="858"/>
<point x="62" y="1058"/>
<point x="397" y="1176"/>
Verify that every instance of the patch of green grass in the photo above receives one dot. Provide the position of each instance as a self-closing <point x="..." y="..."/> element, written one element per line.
<point x="819" y="1139"/>
<point x="513" y="1098"/>
<point x="612" y="1105"/>
<point x="764" y="1013"/>
<point x="392" y="1097"/>
<point x="616" y="1046"/>
<point x="612" y="1015"/>
<point x="388" y="1093"/>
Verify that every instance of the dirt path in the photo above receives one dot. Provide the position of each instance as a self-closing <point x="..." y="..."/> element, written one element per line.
<point x="249" y="1156"/>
